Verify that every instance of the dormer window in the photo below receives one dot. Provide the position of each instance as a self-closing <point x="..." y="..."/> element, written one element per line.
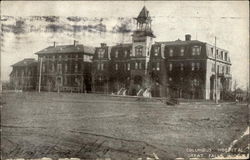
<point x="138" y="51"/>
<point x="225" y="56"/>
<point x="221" y="55"/>
<point x="196" y="50"/>
<point x="182" y="51"/>
<point x="171" y="51"/>
<point x="156" y="51"/>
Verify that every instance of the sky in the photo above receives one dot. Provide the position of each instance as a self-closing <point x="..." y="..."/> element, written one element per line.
<point x="30" y="26"/>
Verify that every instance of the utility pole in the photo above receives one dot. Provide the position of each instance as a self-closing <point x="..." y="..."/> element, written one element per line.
<point x="216" y="99"/>
<point x="40" y="75"/>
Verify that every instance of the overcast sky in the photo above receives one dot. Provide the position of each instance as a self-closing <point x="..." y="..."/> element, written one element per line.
<point x="105" y="22"/>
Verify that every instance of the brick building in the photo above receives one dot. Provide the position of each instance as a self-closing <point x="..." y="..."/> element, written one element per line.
<point x="179" y="69"/>
<point x="24" y="74"/>
<point x="65" y="67"/>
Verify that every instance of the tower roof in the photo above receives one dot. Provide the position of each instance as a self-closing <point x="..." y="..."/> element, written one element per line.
<point x="143" y="15"/>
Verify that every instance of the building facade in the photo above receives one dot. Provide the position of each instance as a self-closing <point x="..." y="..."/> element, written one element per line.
<point x="24" y="74"/>
<point x="179" y="69"/>
<point x="65" y="68"/>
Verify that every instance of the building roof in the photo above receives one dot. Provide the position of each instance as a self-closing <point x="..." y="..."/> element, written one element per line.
<point x="179" y="42"/>
<point x="25" y="62"/>
<point x="143" y="15"/>
<point x="67" y="49"/>
<point x="123" y="45"/>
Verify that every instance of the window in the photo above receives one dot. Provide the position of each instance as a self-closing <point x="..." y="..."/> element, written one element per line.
<point x="116" y="66"/>
<point x="52" y="68"/>
<point x="65" y="80"/>
<point x="212" y="51"/>
<point x="221" y="55"/>
<point x="101" y="53"/>
<point x="66" y="67"/>
<point x="76" y="57"/>
<point x="130" y="52"/>
<point x="195" y="82"/>
<point x="125" y="53"/>
<point x="128" y="66"/>
<point x="222" y="69"/>
<point x="138" y="51"/>
<point x="170" y="66"/>
<point x="182" y="66"/>
<point x="182" y="51"/>
<point x="196" y="50"/>
<point x="198" y="66"/>
<point x="218" y="69"/>
<point x="76" y="67"/>
<point x="226" y="56"/>
<point x="217" y="53"/>
<point x="193" y="66"/>
<point x="60" y="58"/>
<point x="43" y="67"/>
<point x="116" y="54"/>
<point x="59" y="68"/>
<point x="227" y="69"/>
<point x="136" y="65"/>
<point x="171" y="51"/>
<point x="102" y="66"/>
<point x="139" y="64"/>
<point x="156" y="51"/>
<point x="157" y="66"/>
<point x="98" y="66"/>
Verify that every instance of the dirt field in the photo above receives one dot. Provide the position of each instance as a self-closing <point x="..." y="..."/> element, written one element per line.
<point x="96" y="126"/>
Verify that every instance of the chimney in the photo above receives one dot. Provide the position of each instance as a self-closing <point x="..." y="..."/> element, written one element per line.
<point x="75" y="43"/>
<point x="103" y="44"/>
<point x="54" y="44"/>
<point x="187" y="37"/>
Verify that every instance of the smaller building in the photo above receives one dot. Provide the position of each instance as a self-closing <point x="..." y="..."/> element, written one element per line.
<point x="65" y="67"/>
<point x="24" y="74"/>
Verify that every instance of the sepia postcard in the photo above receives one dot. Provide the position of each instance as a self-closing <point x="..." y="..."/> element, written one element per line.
<point x="124" y="80"/>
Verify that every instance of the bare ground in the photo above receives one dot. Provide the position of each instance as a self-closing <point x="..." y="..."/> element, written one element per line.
<point x="92" y="126"/>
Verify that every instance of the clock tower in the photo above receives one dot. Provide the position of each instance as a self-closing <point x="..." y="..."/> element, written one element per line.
<point x="142" y="41"/>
